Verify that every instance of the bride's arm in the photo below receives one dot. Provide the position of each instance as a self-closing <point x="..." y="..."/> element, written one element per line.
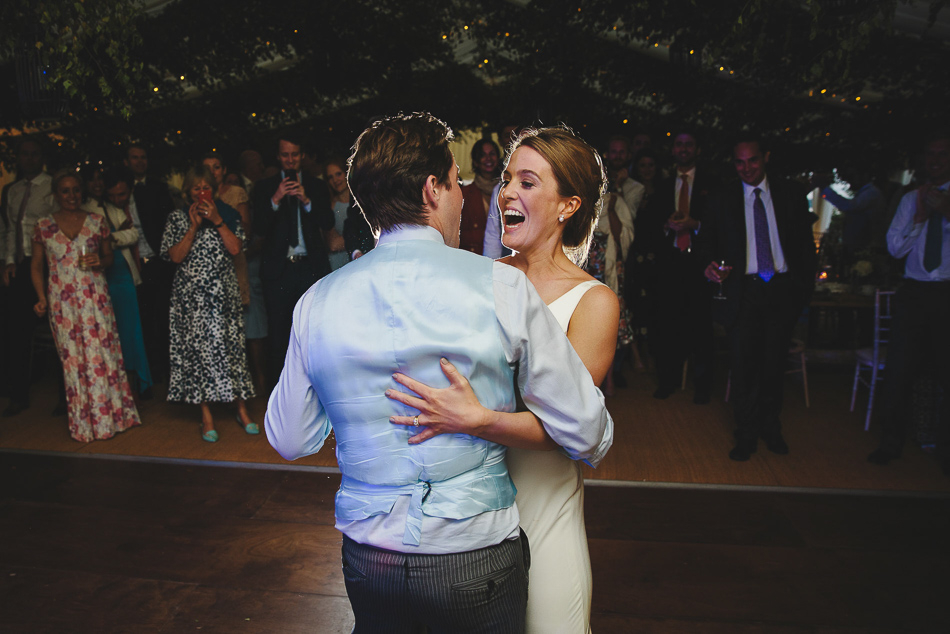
<point x="593" y="330"/>
<point x="456" y="409"/>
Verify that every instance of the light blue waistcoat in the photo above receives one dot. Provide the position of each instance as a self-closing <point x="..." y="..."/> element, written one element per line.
<point x="400" y="308"/>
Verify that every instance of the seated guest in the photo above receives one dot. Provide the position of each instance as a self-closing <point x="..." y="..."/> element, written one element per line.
<point x="486" y="161"/>
<point x="75" y="246"/>
<point x="123" y="275"/>
<point x="208" y="361"/>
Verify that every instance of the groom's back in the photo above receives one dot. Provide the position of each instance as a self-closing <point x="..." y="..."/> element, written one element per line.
<point x="401" y="308"/>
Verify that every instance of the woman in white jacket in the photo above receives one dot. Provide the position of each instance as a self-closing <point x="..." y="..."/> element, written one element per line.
<point x="123" y="276"/>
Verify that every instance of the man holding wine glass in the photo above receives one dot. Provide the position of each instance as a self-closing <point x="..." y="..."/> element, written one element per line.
<point x="757" y="238"/>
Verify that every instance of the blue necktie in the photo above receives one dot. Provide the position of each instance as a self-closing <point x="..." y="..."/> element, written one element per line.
<point x="763" y="246"/>
<point x="933" y="246"/>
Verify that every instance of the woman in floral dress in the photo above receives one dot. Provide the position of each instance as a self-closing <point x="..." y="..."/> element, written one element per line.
<point x="75" y="246"/>
<point x="208" y="361"/>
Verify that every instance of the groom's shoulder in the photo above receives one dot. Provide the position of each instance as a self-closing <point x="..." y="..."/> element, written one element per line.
<point x="507" y="275"/>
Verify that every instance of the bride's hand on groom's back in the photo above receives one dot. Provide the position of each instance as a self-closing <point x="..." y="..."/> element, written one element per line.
<point x="451" y="410"/>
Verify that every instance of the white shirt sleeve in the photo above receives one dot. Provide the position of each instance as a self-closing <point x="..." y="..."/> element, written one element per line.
<point x="555" y="385"/>
<point x="491" y="245"/>
<point x="296" y="423"/>
<point x="903" y="232"/>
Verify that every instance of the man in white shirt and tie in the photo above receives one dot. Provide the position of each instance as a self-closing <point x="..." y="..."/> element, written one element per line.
<point x="762" y="229"/>
<point x="28" y="200"/>
<point x="920" y="336"/>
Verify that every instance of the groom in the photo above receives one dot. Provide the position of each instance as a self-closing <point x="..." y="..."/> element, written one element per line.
<point x="430" y="530"/>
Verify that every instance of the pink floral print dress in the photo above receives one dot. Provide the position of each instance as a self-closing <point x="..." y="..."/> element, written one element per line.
<point x="80" y="314"/>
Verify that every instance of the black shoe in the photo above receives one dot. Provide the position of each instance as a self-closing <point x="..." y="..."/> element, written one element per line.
<point x="743" y="451"/>
<point x="60" y="409"/>
<point x="882" y="456"/>
<point x="701" y="397"/>
<point x="14" y="408"/>
<point x="777" y="445"/>
<point x="662" y="393"/>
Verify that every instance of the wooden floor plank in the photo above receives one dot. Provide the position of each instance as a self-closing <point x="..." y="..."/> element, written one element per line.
<point x="670" y="440"/>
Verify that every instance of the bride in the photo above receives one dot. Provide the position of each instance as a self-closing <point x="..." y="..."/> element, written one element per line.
<point x="550" y="200"/>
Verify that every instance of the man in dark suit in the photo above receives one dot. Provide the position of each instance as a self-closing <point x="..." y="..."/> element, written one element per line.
<point x="762" y="230"/>
<point x="291" y="212"/>
<point x="682" y="323"/>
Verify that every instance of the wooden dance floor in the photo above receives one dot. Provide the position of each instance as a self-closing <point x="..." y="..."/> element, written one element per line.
<point x="157" y="531"/>
<point x="97" y="545"/>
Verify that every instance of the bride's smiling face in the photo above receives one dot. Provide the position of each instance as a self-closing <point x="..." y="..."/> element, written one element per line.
<point x="529" y="201"/>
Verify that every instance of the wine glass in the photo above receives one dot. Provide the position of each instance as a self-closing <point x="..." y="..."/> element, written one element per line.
<point x="726" y="269"/>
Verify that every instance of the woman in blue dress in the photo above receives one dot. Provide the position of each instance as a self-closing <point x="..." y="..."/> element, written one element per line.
<point x="123" y="276"/>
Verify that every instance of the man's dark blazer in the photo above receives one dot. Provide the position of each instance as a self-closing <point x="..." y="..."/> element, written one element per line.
<point x="723" y="237"/>
<point x="153" y="203"/>
<point x="274" y="226"/>
<point x="650" y="226"/>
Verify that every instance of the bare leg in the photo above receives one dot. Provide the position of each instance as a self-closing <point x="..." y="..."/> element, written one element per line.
<point x="243" y="416"/>
<point x="207" y="421"/>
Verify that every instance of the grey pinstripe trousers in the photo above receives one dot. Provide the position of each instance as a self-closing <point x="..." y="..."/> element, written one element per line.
<point x="483" y="590"/>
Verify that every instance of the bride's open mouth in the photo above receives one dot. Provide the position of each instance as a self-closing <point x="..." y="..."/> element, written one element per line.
<point x="513" y="217"/>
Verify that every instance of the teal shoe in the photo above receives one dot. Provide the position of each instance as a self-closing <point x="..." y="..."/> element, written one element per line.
<point x="250" y="428"/>
<point x="210" y="436"/>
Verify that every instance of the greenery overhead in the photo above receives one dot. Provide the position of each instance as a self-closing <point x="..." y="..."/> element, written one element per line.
<point x="200" y="74"/>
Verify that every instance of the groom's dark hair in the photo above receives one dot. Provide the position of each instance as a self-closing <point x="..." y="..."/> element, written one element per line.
<point x="390" y="163"/>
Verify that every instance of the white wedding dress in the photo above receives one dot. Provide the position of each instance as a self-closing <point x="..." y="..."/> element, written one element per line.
<point x="551" y="503"/>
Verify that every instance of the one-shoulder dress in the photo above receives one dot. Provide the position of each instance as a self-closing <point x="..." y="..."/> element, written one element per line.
<point x="551" y="504"/>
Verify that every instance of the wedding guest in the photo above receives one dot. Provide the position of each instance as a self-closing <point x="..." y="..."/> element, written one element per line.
<point x="27" y="201"/>
<point x="208" y="361"/>
<point x="486" y="161"/>
<point x="123" y="275"/>
<point x="74" y="244"/>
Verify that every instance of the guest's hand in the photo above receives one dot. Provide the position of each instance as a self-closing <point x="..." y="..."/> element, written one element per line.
<point x="684" y="223"/>
<point x="194" y="216"/>
<point x="9" y="272"/>
<point x="210" y="211"/>
<point x="451" y="410"/>
<point x="40" y="308"/>
<point x="716" y="273"/>
<point x="90" y="260"/>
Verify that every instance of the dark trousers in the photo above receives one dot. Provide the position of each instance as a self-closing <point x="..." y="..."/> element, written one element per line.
<point x="682" y="323"/>
<point x="154" y="295"/>
<point x="18" y="334"/>
<point x="920" y="340"/>
<point x="760" y="340"/>
<point x="280" y="297"/>
<point x="483" y="590"/>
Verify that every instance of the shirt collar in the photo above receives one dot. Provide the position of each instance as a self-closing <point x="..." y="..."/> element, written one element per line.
<point x="411" y="232"/>
<point x="39" y="179"/>
<point x="691" y="173"/>
<point x="748" y="189"/>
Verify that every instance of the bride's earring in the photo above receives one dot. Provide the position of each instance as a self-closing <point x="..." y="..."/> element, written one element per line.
<point x="560" y="218"/>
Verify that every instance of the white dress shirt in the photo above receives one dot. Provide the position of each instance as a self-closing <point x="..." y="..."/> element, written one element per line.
<point x="39" y="205"/>
<point x="907" y="238"/>
<point x="778" y="257"/>
<point x="301" y="248"/>
<point x="145" y="251"/>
